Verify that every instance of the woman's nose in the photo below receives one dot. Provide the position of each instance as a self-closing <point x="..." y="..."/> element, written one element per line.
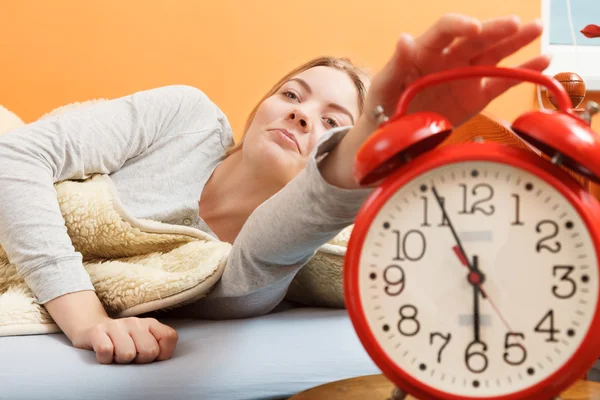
<point x="301" y="119"/>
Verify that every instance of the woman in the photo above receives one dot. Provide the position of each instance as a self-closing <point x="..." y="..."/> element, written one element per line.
<point x="283" y="192"/>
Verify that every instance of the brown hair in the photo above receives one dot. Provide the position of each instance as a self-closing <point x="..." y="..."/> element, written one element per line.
<point x="358" y="76"/>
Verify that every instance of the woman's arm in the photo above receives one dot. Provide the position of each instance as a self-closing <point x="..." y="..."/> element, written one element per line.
<point x="278" y="238"/>
<point x="285" y="231"/>
<point x="98" y="138"/>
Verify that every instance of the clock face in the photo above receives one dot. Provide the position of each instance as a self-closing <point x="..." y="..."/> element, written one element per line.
<point x="499" y="320"/>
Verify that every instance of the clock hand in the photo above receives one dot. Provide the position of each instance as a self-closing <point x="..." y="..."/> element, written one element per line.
<point x="481" y="289"/>
<point x="462" y="255"/>
<point x="476" y="290"/>
<point x="496" y="310"/>
<point x="445" y="215"/>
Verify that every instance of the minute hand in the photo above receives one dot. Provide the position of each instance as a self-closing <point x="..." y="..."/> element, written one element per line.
<point x="458" y="242"/>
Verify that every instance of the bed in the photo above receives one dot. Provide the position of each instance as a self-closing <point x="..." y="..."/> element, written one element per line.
<point x="271" y="357"/>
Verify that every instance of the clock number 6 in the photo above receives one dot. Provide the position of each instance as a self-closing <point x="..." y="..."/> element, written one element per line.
<point x="476" y="361"/>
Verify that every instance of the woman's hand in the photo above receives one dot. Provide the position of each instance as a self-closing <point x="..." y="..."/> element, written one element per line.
<point x="453" y="41"/>
<point x="81" y="316"/>
<point x="127" y="340"/>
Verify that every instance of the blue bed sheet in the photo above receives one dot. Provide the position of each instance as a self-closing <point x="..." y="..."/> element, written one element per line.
<point x="270" y="357"/>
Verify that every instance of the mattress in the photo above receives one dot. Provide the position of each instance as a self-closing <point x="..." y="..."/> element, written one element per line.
<point x="270" y="357"/>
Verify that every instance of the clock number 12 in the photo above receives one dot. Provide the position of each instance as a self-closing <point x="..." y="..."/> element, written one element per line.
<point x="484" y="188"/>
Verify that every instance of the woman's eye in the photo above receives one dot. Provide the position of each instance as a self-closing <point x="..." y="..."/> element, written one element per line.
<point x="290" y="95"/>
<point x="332" y="122"/>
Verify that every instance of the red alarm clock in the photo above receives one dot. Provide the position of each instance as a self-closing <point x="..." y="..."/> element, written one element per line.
<point x="472" y="270"/>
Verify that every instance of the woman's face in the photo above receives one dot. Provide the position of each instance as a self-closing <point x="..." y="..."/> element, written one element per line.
<point x="288" y="124"/>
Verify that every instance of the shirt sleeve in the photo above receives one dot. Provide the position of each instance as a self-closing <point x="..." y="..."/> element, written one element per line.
<point x="280" y="237"/>
<point x="97" y="138"/>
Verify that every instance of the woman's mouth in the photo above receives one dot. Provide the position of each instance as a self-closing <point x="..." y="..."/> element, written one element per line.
<point x="288" y="138"/>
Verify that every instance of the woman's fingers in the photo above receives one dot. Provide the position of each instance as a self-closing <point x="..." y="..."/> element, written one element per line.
<point x="492" y="32"/>
<point x="124" y="347"/>
<point x="454" y="41"/>
<point x="387" y="85"/>
<point x="126" y="340"/>
<point x="145" y="344"/>
<point x="165" y="336"/>
<point x="102" y="345"/>
<point x="445" y="30"/>
<point x="402" y="59"/>
<point x="494" y="87"/>
<point x="527" y="34"/>
<point x="401" y="64"/>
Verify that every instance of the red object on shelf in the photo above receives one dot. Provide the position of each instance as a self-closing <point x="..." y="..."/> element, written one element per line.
<point x="591" y="31"/>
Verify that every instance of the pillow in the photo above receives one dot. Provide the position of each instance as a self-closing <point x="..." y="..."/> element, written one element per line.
<point x="70" y="106"/>
<point x="320" y="282"/>
<point x="9" y="120"/>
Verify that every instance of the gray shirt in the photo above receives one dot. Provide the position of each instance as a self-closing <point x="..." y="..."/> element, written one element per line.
<point x="159" y="147"/>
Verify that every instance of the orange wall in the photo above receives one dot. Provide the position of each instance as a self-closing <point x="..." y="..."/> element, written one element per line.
<point x="61" y="51"/>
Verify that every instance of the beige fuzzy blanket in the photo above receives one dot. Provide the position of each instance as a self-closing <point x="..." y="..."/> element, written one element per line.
<point x="137" y="266"/>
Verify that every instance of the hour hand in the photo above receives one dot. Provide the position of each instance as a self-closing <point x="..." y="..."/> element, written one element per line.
<point x="476" y="277"/>
<point x="461" y="257"/>
<point x="476" y="290"/>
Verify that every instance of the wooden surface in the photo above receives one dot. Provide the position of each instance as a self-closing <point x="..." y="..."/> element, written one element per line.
<point x="378" y="387"/>
<point x="495" y="130"/>
<point x="488" y="128"/>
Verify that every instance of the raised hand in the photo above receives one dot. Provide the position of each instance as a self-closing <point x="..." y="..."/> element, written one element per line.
<point x="454" y="41"/>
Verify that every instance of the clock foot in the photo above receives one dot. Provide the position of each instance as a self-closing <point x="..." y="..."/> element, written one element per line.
<point x="398" y="394"/>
